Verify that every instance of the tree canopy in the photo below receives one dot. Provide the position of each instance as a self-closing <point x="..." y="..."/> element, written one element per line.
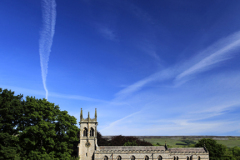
<point x="133" y="143"/>
<point x="214" y="149"/>
<point x="121" y="141"/>
<point x="34" y="128"/>
<point x="219" y="151"/>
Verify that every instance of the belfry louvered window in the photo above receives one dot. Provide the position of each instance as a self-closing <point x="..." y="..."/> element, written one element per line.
<point x="85" y="132"/>
<point x="91" y="132"/>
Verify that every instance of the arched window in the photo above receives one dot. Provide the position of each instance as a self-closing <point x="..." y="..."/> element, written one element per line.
<point x="119" y="158"/>
<point x="85" y="132"/>
<point x="174" y="158"/>
<point x="159" y="157"/>
<point x="191" y="157"/>
<point x="91" y="132"/>
<point x="105" y="158"/>
<point x="199" y="158"/>
<point x="146" y="158"/>
<point x="177" y="157"/>
<point x="132" y="158"/>
<point x="187" y="158"/>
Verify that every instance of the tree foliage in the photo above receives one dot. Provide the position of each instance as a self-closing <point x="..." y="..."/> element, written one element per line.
<point x="34" y="128"/>
<point x="130" y="140"/>
<point x="214" y="149"/>
<point x="133" y="143"/>
<point x="101" y="141"/>
<point x="10" y="109"/>
<point x="235" y="151"/>
<point x="121" y="141"/>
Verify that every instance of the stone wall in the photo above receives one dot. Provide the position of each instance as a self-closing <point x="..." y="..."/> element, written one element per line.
<point x="153" y="152"/>
<point x="152" y="155"/>
<point x="87" y="152"/>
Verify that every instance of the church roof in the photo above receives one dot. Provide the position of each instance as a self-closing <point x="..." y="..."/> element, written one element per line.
<point x="187" y="150"/>
<point x="149" y="148"/>
<point x="132" y="148"/>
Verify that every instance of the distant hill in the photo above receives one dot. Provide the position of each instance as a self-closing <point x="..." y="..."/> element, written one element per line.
<point x="180" y="141"/>
<point x="182" y="137"/>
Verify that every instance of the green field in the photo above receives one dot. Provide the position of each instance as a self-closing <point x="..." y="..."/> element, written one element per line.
<point x="178" y="141"/>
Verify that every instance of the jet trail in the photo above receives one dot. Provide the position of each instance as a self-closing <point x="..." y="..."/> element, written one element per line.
<point x="46" y="37"/>
<point x="218" y="52"/>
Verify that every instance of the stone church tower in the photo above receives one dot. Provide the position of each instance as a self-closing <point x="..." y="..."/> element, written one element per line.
<point x="88" y="137"/>
<point x="89" y="150"/>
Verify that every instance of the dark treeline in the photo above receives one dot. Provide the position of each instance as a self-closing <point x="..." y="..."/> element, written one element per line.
<point x="121" y="141"/>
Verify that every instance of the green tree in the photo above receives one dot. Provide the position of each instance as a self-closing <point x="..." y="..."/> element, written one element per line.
<point x="67" y="132"/>
<point x="35" y="128"/>
<point x="10" y="111"/>
<point x="101" y="141"/>
<point x="121" y="140"/>
<point x="157" y="144"/>
<point x="236" y="151"/>
<point x="46" y="130"/>
<point x="215" y="150"/>
<point x="133" y="143"/>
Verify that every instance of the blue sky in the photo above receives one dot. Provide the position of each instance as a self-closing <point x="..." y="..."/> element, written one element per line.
<point x="149" y="67"/>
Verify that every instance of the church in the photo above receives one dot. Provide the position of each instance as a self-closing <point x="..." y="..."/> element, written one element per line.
<point x="88" y="148"/>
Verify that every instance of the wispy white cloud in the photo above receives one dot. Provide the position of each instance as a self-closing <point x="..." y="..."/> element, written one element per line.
<point x="171" y="127"/>
<point x="76" y="97"/>
<point x="189" y="123"/>
<point x="202" y="115"/>
<point x="214" y="110"/>
<point x="24" y="91"/>
<point x="159" y="76"/>
<point x="195" y="122"/>
<point x="32" y="92"/>
<point x="218" y="52"/>
<point x="199" y="107"/>
<point x="115" y="123"/>
<point x="150" y="49"/>
<point x="139" y="12"/>
<point x="46" y="37"/>
<point x="107" y="32"/>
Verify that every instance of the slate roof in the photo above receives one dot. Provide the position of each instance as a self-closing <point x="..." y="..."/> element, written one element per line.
<point x="187" y="150"/>
<point x="131" y="148"/>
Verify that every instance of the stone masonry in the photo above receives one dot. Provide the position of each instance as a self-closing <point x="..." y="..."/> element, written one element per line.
<point x="89" y="150"/>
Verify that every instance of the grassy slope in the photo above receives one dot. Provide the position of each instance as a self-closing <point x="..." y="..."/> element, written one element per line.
<point x="231" y="142"/>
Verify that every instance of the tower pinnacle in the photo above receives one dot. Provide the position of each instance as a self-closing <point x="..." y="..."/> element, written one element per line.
<point x="81" y="115"/>
<point x="96" y="114"/>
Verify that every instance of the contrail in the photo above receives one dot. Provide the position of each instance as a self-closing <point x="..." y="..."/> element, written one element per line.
<point x="46" y="37"/>
<point x="220" y="51"/>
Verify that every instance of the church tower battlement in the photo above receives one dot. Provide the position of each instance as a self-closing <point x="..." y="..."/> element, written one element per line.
<point x="88" y="136"/>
